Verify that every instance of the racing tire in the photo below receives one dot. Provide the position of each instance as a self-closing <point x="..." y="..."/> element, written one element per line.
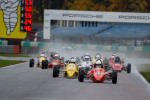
<point x="114" y="77"/>
<point x="55" y="71"/>
<point x="58" y="67"/>
<point x="81" y="75"/>
<point x="31" y="63"/>
<point x="129" y="68"/>
<point x="46" y="64"/>
<point x="43" y="64"/>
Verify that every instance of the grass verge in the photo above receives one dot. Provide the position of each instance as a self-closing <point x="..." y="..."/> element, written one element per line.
<point x="144" y="69"/>
<point x="13" y="55"/>
<point x="4" y="63"/>
<point x="146" y="75"/>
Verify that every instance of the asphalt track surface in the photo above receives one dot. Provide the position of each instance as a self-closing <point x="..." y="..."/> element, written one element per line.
<point x="19" y="82"/>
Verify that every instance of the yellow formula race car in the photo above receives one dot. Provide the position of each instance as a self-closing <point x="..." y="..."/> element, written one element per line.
<point x="71" y="70"/>
<point x="97" y="57"/>
<point x="94" y="60"/>
<point x="41" y="62"/>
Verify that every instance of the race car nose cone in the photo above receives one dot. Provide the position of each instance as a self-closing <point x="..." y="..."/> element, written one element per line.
<point x="98" y="78"/>
<point x="70" y="74"/>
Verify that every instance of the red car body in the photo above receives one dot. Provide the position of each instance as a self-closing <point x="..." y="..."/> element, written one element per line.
<point x="117" y="66"/>
<point x="55" y="62"/>
<point x="111" y="62"/>
<point x="98" y="74"/>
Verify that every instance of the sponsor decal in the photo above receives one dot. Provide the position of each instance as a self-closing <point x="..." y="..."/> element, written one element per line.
<point x="10" y="13"/>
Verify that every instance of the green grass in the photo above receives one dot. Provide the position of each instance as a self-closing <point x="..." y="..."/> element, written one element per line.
<point x="4" y="63"/>
<point x="146" y="75"/>
<point x="144" y="69"/>
<point x="13" y="55"/>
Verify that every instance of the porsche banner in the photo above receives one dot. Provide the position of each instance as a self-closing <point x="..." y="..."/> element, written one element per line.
<point x="97" y="16"/>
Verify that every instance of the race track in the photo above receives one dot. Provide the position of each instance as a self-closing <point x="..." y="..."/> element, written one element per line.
<point x="19" y="82"/>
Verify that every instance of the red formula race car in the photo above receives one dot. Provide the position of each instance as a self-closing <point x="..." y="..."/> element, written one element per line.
<point x="55" y="62"/>
<point x="111" y="61"/>
<point x="120" y="66"/>
<point x="98" y="74"/>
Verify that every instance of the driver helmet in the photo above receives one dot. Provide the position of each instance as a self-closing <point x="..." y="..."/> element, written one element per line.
<point x="112" y="57"/>
<point x="114" y="54"/>
<point x="72" y="60"/>
<point x="52" y="54"/>
<point x="56" y="56"/>
<point x="97" y="56"/>
<point x="42" y="55"/>
<point x="87" y="58"/>
<point x="117" y="59"/>
<point x="98" y="64"/>
<point x="86" y="54"/>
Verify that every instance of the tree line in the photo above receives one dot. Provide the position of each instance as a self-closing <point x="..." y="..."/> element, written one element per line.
<point x="88" y="5"/>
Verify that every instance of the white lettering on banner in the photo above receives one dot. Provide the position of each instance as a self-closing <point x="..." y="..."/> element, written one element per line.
<point x="94" y="16"/>
<point x="83" y="15"/>
<point x="135" y="17"/>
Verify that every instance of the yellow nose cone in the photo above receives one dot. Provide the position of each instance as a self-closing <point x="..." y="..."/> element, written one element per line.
<point x="70" y="74"/>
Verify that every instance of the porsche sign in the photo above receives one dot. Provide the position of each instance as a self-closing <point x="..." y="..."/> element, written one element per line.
<point x="111" y="17"/>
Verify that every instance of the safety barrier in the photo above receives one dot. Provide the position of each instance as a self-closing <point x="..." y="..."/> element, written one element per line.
<point x="3" y="42"/>
<point x="9" y="49"/>
<point x="34" y="47"/>
<point x="99" y="47"/>
<point x="87" y="47"/>
<point x="32" y="44"/>
<point x="31" y="47"/>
